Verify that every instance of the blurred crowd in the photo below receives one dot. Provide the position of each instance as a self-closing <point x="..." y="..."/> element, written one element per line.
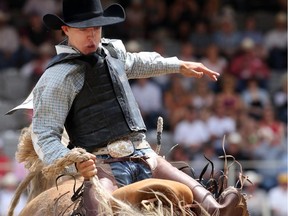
<point x="246" y="110"/>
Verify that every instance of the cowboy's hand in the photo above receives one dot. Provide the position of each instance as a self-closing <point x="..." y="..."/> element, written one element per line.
<point x="197" y="70"/>
<point x="87" y="168"/>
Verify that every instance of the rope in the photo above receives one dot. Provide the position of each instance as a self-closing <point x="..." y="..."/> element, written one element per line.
<point x="74" y="156"/>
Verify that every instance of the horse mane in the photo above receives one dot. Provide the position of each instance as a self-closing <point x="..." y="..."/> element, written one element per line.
<point x="35" y="182"/>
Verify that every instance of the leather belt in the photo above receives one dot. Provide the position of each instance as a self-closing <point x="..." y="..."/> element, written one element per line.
<point x="121" y="148"/>
<point x="130" y="159"/>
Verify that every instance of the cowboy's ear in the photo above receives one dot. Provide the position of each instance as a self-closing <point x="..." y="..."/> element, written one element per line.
<point x="64" y="29"/>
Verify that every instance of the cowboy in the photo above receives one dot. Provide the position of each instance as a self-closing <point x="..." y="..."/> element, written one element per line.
<point x="85" y="90"/>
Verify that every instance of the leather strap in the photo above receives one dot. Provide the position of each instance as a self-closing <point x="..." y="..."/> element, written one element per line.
<point x="130" y="159"/>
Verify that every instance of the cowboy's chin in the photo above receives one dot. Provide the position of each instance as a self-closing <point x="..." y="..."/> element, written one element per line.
<point x="89" y="49"/>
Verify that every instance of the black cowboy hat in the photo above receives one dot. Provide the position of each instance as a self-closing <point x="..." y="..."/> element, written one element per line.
<point x="84" y="14"/>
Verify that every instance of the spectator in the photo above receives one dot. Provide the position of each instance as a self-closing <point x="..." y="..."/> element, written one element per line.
<point x="41" y="7"/>
<point x="9" y="42"/>
<point x="251" y="31"/>
<point x="227" y="36"/>
<point x="202" y="96"/>
<point x="156" y="13"/>
<point x="248" y="64"/>
<point x="135" y="22"/>
<point x="210" y="9"/>
<point x="228" y="97"/>
<point x="36" y="67"/>
<point x="277" y="128"/>
<point x="163" y="81"/>
<point x="182" y="11"/>
<point x="191" y="132"/>
<point x="269" y="150"/>
<point x="278" y="196"/>
<point x="234" y="146"/>
<point x="248" y="128"/>
<point x="176" y="98"/>
<point x="175" y="11"/>
<point x="276" y="43"/>
<point x="187" y="51"/>
<point x="183" y="31"/>
<point x="33" y="34"/>
<point x="255" y="99"/>
<point x="213" y="59"/>
<point x="280" y="100"/>
<point x="220" y="124"/>
<point x="258" y="201"/>
<point x="201" y="37"/>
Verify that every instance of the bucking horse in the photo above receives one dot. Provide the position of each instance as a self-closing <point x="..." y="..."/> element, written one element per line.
<point x="52" y="193"/>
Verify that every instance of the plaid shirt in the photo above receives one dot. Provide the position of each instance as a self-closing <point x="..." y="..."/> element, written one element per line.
<point x="55" y="91"/>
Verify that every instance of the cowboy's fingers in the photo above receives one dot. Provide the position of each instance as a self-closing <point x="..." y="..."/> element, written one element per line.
<point x="89" y="173"/>
<point x="91" y="156"/>
<point x="189" y="69"/>
<point x="196" y="69"/>
<point x="87" y="168"/>
<point x="82" y="165"/>
<point x="210" y="73"/>
<point x="193" y="73"/>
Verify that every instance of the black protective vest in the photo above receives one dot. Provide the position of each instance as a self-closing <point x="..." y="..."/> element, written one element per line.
<point x="105" y="108"/>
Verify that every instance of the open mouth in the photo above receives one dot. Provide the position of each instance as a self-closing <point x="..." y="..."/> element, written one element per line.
<point x="92" y="46"/>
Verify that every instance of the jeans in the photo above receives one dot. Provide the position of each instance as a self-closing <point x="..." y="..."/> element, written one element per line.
<point x="128" y="172"/>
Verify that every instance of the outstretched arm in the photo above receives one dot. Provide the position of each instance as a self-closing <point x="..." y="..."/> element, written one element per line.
<point x="197" y="70"/>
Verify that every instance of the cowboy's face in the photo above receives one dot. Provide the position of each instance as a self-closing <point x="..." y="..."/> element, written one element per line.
<point x="86" y="40"/>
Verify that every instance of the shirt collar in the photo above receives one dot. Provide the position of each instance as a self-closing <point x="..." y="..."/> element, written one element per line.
<point x="63" y="47"/>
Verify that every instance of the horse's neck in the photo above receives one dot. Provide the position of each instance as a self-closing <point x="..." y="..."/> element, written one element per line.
<point x="38" y="185"/>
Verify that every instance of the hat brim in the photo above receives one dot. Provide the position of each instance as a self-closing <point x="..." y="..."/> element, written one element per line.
<point x="111" y="15"/>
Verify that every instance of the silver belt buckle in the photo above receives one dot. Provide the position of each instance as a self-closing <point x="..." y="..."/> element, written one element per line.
<point x="121" y="148"/>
